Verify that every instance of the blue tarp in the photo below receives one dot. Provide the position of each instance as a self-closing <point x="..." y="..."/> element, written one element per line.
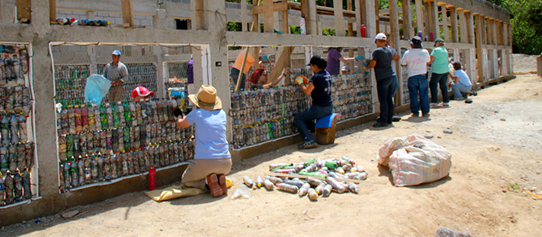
<point x="96" y="89"/>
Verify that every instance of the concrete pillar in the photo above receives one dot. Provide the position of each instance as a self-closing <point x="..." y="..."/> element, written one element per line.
<point x="91" y="51"/>
<point x="470" y="63"/>
<point x="313" y="19"/>
<point x="463" y="26"/>
<point x="394" y="33"/>
<point x="419" y="17"/>
<point x="370" y="18"/>
<point x="539" y="65"/>
<point x="434" y="19"/>
<point x="427" y="18"/>
<point x="244" y="12"/>
<point x="160" y="22"/>
<point x="408" y="31"/>
<point x="7" y="11"/>
<point x="470" y="26"/>
<point x="197" y="19"/>
<point x="339" y="18"/>
<point x="445" y="31"/>
<point x="494" y="31"/>
<point x="453" y="18"/>
<point x="377" y="16"/>
<point x="492" y="63"/>
<point x="510" y="61"/>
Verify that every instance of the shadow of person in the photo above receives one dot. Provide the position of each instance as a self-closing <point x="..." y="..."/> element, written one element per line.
<point x="413" y="119"/>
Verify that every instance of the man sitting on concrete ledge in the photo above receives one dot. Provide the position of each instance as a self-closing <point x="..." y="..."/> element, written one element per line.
<point x="461" y="84"/>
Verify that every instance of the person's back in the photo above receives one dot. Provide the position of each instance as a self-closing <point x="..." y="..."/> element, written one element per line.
<point x="462" y="78"/>
<point x="321" y="95"/>
<point x="440" y="64"/>
<point x="239" y="61"/>
<point x="383" y="58"/>
<point x="211" y="141"/>
<point x="416" y="60"/>
<point x="333" y="62"/>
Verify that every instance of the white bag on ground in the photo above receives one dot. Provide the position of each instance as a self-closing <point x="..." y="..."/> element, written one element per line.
<point x="415" y="160"/>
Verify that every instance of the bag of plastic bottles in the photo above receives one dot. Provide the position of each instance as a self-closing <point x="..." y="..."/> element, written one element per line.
<point x="96" y="88"/>
<point x="242" y="191"/>
<point x="415" y="160"/>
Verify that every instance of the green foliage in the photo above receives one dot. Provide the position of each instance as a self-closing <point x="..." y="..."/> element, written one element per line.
<point x="526" y="22"/>
<point x="234" y="26"/>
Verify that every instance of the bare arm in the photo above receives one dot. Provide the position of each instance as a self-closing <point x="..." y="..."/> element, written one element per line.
<point x="372" y="64"/>
<point x="395" y="58"/>
<point x="432" y="59"/>
<point x="276" y="81"/>
<point x="346" y="60"/>
<point x="307" y="89"/>
<point x="182" y="122"/>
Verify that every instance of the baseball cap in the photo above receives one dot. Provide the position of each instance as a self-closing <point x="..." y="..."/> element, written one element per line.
<point x="116" y="52"/>
<point x="416" y="41"/>
<point x="141" y="91"/>
<point x="381" y="36"/>
<point x="438" y="40"/>
<point x="256" y="76"/>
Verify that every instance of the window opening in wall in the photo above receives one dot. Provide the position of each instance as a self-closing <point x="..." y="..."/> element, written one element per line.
<point x="181" y="24"/>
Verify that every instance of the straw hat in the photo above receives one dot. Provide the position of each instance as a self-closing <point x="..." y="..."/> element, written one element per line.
<point x="206" y="98"/>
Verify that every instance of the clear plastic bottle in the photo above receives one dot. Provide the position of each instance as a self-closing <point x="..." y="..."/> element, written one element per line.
<point x="337" y="186"/>
<point x="109" y="113"/>
<point x="259" y="182"/>
<point x="78" y="121"/>
<point x="296" y="183"/>
<point x="84" y="118"/>
<point x="133" y="113"/>
<point x="81" y="171"/>
<point x="113" y="165"/>
<point x="67" y="177"/>
<point x="248" y="181"/>
<point x="64" y="120"/>
<point x="304" y="189"/>
<point x="287" y="188"/>
<point x="327" y="190"/>
<point x="352" y="187"/>
<point x="5" y="130"/>
<point x="22" y="128"/>
<point x="73" y="173"/>
<point x="97" y="117"/>
<point x="139" y="111"/>
<point x="2" y="191"/>
<point x="88" y="176"/>
<point x="154" y="111"/>
<point x="313" y="182"/>
<point x="18" y="191"/>
<point x="122" y="119"/>
<point x="100" y="161"/>
<point x="91" y="119"/>
<point x="14" y="127"/>
<point x="27" y="194"/>
<point x="103" y="117"/>
<point x="320" y="188"/>
<point x="107" y="167"/>
<point x="115" y="114"/>
<point x="268" y="185"/>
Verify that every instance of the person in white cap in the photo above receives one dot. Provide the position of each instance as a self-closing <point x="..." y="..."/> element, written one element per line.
<point x="386" y="80"/>
<point x="212" y="160"/>
<point x="117" y="73"/>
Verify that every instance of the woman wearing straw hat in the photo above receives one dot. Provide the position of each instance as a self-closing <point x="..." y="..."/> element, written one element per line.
<point x="212" y="160"/>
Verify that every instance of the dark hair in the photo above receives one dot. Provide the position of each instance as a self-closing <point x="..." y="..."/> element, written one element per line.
<point x="318" y="61"/>
<point x="340" y="49"/>
<point x="457" y="65"/>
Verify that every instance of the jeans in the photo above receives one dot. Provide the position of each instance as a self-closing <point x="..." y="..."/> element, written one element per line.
<point x="386" y="89"/>
<point x="305" y="120"/>
<point x="234" y="74"/>
<point x="439" y="80"/>
<point x="418" y="85"/>
<point x="457" y="88"/>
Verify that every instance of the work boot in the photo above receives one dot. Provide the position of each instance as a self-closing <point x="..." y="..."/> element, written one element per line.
<point x="222" y="183"/>
<point x="214" y="187"/>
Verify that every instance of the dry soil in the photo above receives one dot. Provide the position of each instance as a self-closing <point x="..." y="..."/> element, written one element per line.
<point x="496" y="156"/>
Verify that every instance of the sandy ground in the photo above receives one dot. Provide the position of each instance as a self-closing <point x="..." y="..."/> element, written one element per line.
<point x="495" y="144"/>
<point x="524" y="62"/>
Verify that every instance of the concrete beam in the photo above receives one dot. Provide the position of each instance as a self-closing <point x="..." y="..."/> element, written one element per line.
<point x="479" y="8"/>
<point x="249" y="39"/>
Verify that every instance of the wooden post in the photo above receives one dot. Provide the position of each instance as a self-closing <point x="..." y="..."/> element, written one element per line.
<point x="351" y="34"/>
<point x="429" y="19"/>
<point x="495" y="32"/>
<point x="127" y="13"/>
<point x="285" y="25"/>
<point x="419" y="17"/>
<point x="470" y="26"/>
<point x="255" y="18"/>
<point x="434" y="19"/>
<point x="453" y="19"/>
<point x="445" y="31"/>
<point x="305" y="14"/>
<point x="339" y="17"/>
<point x="268" y="16"/>
<point x="282" y="62"/>
<point x="52" y="10"/>
<point x="479" y="53"/>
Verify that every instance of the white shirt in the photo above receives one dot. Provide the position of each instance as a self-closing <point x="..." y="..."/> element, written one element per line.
<point x="416" y="61"/>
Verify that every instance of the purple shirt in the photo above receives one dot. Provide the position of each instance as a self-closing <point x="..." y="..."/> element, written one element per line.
<point x="190" y="72"/>
<point x="333" y="62"/>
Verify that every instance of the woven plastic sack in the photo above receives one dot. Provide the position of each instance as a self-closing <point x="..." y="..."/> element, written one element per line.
<point x="96" y="88"/>
<point x="415" y="160"/>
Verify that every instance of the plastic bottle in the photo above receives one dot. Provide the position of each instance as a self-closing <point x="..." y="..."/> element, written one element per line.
<point x="4" y="160"/>
<point x="5" y="130"/>
<point x="9" y="187"/>
<point x="275" y="180"/>
<point x="139" y="112"/>
<point x="313" y="195"/>
<point x="109" y="113"/>
<point x="133" y="114"/>
<point x="327" y="190"/>
<point x="154" y="107"/>
<point x="94" y="169"/>
<point x="14" y="129"/>
<point x="362" y="176"/>
<point x="125" y="168"/>
<point x="97" y="117"/>
<point x="84" y="118"/>
<point x="18" y="191"/>
<point x="100" y="161"/>
<point x="103" y="117"/>
<point x="21" y="161"/>
<point x="352" y="187"/>
<point x="141" y="159"/>
<point x="339" y="170"/>
<point x="115" y="115"/>
<point x="127" y="113"/>
<point x="304" y="189"/>
<point x="73" y="173"/>
<point x="2" y="191"/>
<point x="320" y="188"/>
<point x="259" y="182"/>
<point x="296" y="183"/>
<point x="122" y="119"/>
<point x="67" y="177"/>
<point x="64" y="120"/>
<point x="91" y="120"/>
<point x="107" y="167"/>
<point x="78" y="122"/>
<point x="268" y="185"/>
<point x="22" y="127"/>
<point x="287" y="188"/>
<point x="337" y="186"/>
<point x="358" y="168"/>
<point x="313" y="182"/>
<point x="248" y="181"/>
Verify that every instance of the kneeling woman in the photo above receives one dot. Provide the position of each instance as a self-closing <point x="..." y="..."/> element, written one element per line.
<point x="212" y="160"/>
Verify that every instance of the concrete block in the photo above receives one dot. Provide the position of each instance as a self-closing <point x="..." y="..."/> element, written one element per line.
<point x="67" y="55"/>
<point x="115" y="15"/>
<point x="137" y="22"/>
<point x="102" y="14"/>
<point x="63" y="12"/>
<point x="79" y="13"/>
<point x="80" y="55"/>
<point x="177" y="1"/>
<point x="148" y="17"/>
<point x="118" y="21"/>
<point x="146" y="22"/>
<point x="186" y="1"/>
<point x="139" y="17"/>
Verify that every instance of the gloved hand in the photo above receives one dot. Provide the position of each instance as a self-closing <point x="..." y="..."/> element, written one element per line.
<point x="359" y="57"/>
<point x="301" y="80"/>
<point x="365" y="64"/>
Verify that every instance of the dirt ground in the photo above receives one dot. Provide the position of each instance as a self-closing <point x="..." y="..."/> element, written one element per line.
<point x="495" y="146"/>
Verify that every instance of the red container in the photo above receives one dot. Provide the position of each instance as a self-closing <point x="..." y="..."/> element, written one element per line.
<point x="363" y="31"/>
<point x="431" y="36"/>
<point x="152" y="178"/>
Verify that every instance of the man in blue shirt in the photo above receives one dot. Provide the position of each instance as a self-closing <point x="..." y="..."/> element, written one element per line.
<point x="461" y="84"/>
<point x="319" y="87"/>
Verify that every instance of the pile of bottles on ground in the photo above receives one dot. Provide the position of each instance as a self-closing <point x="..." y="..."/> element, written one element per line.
<point x="268" y="113"/>
<point x="103" y="142"/>
<point x="82" y="22"/>
<point x="139" y="74"/>
<point x="16" y="152"/>
<point x="70" y="82"/>
<point x="322" y="177"/>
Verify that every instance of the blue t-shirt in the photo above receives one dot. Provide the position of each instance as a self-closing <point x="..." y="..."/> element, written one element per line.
<point x="211" y="142"/>
<point x="321" y="94"/>
<point x="462" y="78"/>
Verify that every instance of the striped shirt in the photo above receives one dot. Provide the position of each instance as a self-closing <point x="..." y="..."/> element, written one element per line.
<point x="116" y="72"/>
